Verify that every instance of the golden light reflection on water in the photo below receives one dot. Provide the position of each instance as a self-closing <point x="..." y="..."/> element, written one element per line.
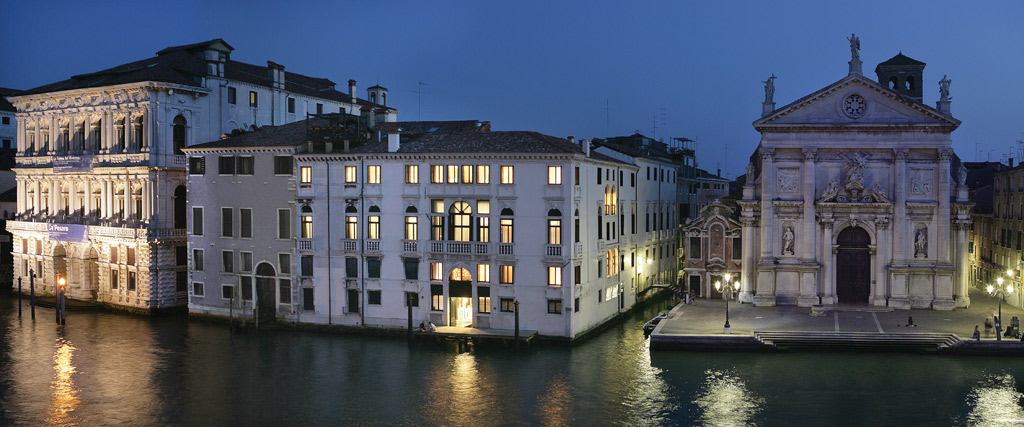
<point x="460" y="394"/>
<point x="995" y="401"/>
<point x="725" y="401"/>
<point x="553" y="405"/>
<point x="64" y="399"/>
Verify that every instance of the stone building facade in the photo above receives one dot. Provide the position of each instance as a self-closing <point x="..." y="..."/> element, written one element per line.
<point x="854" y="195"/>
<point x="713" y="247"/>
<point x="101" y="175"/>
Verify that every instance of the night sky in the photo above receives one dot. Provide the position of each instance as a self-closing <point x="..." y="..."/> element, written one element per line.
<point x="587" y="69"/>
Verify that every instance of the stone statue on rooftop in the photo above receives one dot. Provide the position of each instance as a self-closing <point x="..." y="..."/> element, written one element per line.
<point x="961" y="177"/>
<point x="944" y="88"/>
<point x="769" y="88"/>
<point x="854" y="46"/>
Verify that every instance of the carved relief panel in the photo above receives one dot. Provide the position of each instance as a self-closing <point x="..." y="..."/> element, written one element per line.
<point x="789" y="180"/>
<point x="717" y="236"/>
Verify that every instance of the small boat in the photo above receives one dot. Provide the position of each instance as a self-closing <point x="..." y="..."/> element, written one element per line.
<point x="653" y="323"/>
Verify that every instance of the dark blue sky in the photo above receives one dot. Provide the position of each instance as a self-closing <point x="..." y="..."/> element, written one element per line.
<point x="691" y="69"/>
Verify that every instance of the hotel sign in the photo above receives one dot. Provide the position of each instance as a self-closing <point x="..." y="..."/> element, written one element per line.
<point x="67" y="164"/>
<point x="68" y="232"/>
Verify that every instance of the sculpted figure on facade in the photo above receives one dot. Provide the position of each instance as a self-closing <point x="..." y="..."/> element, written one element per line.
<point x="789" y="180"/>
<point x="878" y="194"/>
<point x="921" y="243"/>
<point x="787" y="241"/>
<point x="830" y="192"/>
<point x="919" y="185"/>
<point x="750" y="173"/>
<point x="961" y="176"/>
<point x="769" y="88"/>
<point x="944" y="88"/>
<point x="855" y="169"/>
<point x="854" y="46"/>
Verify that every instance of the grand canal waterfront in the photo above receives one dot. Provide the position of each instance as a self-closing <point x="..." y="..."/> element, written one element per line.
<point x="111" y="369"/>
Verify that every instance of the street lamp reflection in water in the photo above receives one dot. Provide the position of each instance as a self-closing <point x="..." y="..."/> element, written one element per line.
<point x="729" y="288"/>
<point x="725" y="400"/>
<point x="64" y="399"/>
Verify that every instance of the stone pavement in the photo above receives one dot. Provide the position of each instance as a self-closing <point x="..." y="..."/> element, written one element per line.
<point x="707" y="318"/>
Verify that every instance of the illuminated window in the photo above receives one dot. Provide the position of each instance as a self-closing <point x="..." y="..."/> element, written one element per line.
<point x="483" y="174"/>
<point x="253" y="99"/>
<point x="411" y="227"/>
<point x="554" y="276"/>
<point x="460" y="222"/>
<point x="437" y="297"/>
<point x="373" y="174"/>
<point x="436" y="174"/>
<point x="373" y="232"/>
<point x="306" y="225"/>
<point x="453" y="174"/>
<point x="506" y="274"/>
<point x="412" y="174"/>
<point x="467" y="174"/>
<point x="506" y="230"/>
<point x="350" y="174"/>
<point x="483" y="295"/>
<point x="483" y="273"/>
<point x="483" y="229"/>
<point x="306" y="174"/>
<point x="436" y="271"/>
<point x="460" y="275"/>
<point x="555" y="175"/>
<point x="554" y="232"/>
<point x="507" y="175"/>
<point x="351" y="227"/>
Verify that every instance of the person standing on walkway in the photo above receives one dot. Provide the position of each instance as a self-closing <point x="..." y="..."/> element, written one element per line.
<point x="977" y="334"/>
<point x="988" y="326"/>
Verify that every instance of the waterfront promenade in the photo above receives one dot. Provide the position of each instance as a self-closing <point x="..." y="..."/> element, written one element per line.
<point x="705" y="319"/>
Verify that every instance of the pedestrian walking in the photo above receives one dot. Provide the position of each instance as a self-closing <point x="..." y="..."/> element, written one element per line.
<point x="988" y="326"/>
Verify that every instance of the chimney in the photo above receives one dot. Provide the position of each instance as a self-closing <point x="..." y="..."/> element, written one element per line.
<point x="572" y="139"/>
<point x="1011" y="162"/>
<point x="586" y="146"/>
<point x="352" y="90"/>
<point x="719" y="174"/>
<point x="393" y="141"/>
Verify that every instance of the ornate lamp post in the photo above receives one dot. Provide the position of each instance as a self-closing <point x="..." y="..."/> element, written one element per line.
<point x="1000" y="293"/>
<point x="728" y="291"/>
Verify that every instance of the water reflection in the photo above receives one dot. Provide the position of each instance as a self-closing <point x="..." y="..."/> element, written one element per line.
<point x="650" y="399"/>
<point x="64" y="399"/>
<point x="995" y="401"/>
<point x="724" y="400"/>
<point x="553" y="405"/>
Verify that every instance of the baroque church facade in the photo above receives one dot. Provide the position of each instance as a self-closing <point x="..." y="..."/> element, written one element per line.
<point x="855" y="196"/>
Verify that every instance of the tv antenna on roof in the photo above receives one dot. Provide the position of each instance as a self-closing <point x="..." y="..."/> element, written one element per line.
<point x="419" y="99"/>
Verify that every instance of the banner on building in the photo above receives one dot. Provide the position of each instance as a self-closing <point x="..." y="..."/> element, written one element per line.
<point x="66" y="164"/>
<point x="68" y="232"/>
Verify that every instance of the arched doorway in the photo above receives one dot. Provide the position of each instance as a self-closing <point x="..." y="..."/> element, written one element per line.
<point x="266" y="297"/>
<point x="460" y="290"/>
<point x="853" y="266"/>
<point x="91" y="272"/>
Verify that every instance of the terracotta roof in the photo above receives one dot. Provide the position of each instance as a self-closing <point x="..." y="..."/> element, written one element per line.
<point x="900" y="59"/>
<point x="415" y="127"/>
<point x="182" y="65"/>
<point x="4" y="104"/>
<point x="290" y="134"/>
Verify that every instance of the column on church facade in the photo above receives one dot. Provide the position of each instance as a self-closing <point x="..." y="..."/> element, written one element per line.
<point x="806" y="238"/>
<point x="963" y="298"/>
<point x="943" y="234"/>
<point x="747" y="269"/>
<point x="899" y="224"/>
<point x="828" y="282"/>
<point x="767" y="195"/>
<point x="882" y="257"/>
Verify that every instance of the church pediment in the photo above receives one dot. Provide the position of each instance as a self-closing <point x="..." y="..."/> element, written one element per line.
<point x="856" y="101"/>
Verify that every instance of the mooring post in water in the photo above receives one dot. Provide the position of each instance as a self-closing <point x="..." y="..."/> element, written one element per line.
<point x="19" y="297"/>
<point x="409" y="305"/>
<point x="63" y="306"/>
<point x="516" y="303"/>
<point x="32" y="292"/>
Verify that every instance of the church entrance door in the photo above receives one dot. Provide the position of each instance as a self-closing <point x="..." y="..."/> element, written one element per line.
<point x="853" y="270"/>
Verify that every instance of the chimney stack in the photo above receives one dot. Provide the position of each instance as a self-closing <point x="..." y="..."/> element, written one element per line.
<point x="572" y="139"/>
<point x="1011" y="162"/>
<point x="393" y="138"/>
<point x="352" y="90"/>
<point x="586" y="146"/>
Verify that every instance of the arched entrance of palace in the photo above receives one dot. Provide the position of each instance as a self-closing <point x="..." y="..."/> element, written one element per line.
<point x="853" y="266"/>
<point x="266" y="296"/>
<point x="460" y="291"/>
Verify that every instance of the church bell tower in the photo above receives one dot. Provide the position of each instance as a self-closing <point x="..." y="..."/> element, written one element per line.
<point x="902" y="74"/>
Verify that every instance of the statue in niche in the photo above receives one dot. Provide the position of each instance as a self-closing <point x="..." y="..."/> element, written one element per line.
<point x="750" y="173"/>
<point x="830" y="192"/>
<point x="855" y="168"/>
<point x="854" y="47"/>
<point x="961" y="176"/>
<point x="944" y="88"/>
<point x="921" y="243"/>
<point x="787" y="241"/>
<point x="769" y="89"/>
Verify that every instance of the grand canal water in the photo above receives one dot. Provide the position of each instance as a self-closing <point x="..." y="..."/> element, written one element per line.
<point x="109" y="369"/>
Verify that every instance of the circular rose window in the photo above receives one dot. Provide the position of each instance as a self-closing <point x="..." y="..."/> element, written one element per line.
<point x="854" y="106"/>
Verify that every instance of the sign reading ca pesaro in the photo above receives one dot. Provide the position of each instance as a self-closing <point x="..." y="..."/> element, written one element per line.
<point x="68" y="232"/>
<point x="66" y="164"/>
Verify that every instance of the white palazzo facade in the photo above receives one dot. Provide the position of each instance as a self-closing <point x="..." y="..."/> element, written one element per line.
<point x="858" y="199"/>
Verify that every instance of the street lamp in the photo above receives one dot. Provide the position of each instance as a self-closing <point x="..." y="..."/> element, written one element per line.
<point x="1000" y="293"/>
<point x="728" y="291"/>
<point x="61" y="307"/>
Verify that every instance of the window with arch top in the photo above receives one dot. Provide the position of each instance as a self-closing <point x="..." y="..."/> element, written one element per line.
<point x="460" y="222"/>
<point x="554" y="227"/>
<point x="506" y="224"/>
<point x="178" y="134"/>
